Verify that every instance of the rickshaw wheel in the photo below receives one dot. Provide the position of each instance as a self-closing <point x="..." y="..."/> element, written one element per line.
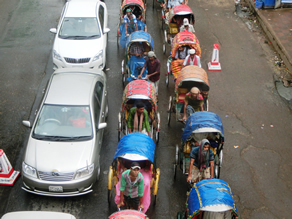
<point x="157" y="137"/>
<point x="169" y="110"/>
<point x="153" y="5"/>
<point x="118" y="45"/>
<point x="155" y="198"/>
<point x="125" y="76"/>
<point x="176" y="160"/>
<point x="120" y="127"/>
<point x="109" y="197"/>
<point x="164" y="48"/>
<point x="167" y="80"/>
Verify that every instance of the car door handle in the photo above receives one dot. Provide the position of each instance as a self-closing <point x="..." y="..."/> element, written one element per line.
<point x="105" y="93"/>
<point x="102" y="115"/>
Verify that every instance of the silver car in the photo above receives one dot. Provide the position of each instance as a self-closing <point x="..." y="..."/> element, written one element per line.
<point x="62" y="156"/>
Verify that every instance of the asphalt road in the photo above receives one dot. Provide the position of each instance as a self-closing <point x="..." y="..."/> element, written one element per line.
<point x="243" y="94"/>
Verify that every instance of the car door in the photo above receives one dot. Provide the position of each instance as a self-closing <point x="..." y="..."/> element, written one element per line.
<point x="99" y="116"/>
<point x="103" y="19"/>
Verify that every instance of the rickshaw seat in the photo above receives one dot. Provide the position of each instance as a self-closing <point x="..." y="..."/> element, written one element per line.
<point x="181" y="93"/>
<point x="173" y="29"/>
<point x="181" y="98"/>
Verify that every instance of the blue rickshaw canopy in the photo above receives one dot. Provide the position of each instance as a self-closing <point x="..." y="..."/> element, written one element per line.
<point x="211" y="195"/>
<point x="136" y="143"/>
<point x="202" y="122"/>
<point x="140" y="36"/>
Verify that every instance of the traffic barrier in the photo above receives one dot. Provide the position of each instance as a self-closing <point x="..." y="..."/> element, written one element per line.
<point x="7" y="174"/>
<point x="215" y="65"/>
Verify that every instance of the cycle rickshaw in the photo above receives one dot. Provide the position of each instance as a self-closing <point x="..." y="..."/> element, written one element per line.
<point x="173" y="20"/>
<point x="186" y="40"/>
<point x="141" y="22"/>
<point x="200" y="125"/>
<point x="129" y="214"/>
<point x="133" y="63"/>
<point x="210" y="198"/>
<point x="143" y="91"/>
<point x="140" y="148"/>
<point x="190" y="76"/>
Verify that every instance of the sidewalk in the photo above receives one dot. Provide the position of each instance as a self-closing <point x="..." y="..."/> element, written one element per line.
<point x="277" y="24"/>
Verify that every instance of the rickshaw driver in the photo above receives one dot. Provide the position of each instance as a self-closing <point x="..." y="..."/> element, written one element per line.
<point x="192" y="59"/>
<point x="187" y="26"/>
<point x="132" y="188"/>
<point x="193" y="103"/>
<point x="138" y="120"/>
<point x="130" y="19"/>
<point x="202" y="162"/>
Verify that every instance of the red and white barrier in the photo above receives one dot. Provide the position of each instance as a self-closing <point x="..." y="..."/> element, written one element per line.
<point x="215" y="65"/>
<point x="7" y="174"/>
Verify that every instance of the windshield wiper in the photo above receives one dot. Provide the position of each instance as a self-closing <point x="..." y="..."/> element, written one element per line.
<point x="61" y="138"/>
<point x="93" y="36"/>
<point x="72" y="37"/>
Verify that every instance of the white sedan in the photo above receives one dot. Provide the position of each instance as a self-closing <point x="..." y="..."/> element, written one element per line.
<point x="81" y="35"/>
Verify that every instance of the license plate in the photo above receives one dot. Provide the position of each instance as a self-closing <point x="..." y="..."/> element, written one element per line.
<point x="56" y="188"/>
<point x="77" y="66"/>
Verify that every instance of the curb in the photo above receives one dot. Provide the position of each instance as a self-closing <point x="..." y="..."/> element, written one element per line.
<point x="280" y="49"/>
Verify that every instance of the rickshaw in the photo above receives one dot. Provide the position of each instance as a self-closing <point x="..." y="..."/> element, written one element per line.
<point x="190" y="76"/>
<point x="133" y="63"/>
<point x="200" y="125"/>
<point x="210" y="198"/>
<point x="173" y="20"/>
<point x="140" y="148"/>
<point x="183" y="39"/>
<point x="144" y="91"/>
<point x="129" y="214"/>
<point x="141" y="22"/>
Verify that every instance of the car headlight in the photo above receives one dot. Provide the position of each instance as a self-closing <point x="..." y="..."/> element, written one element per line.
<point x="29" y="170"/>
<point x="98" y="56"/>
<point x="57" y="55"/>
<point x="84" y="171"/>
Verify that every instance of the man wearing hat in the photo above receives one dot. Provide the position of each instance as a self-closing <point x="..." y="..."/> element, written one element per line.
<point x="132" y="188"/>
<point x="153" y="66"/>
<point x="192" y="59"/>
<point x="187" y="26"/>
<point x="130" y="22"/>
<point x="193" y="103"/>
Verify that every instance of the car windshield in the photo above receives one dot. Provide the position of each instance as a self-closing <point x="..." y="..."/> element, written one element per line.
<point x="79" y="28"/>
<point x="63" y="123"/>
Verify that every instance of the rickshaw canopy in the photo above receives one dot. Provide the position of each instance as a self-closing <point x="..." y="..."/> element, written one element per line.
<point x="140" y="89"/>
<point x="212" y="195"/>
<point x="129" y="214"/>
<point x="202" y="122"/>
<point x="138" y="3"/>
<point x="182" y="9"/>
<point x="136" y="144"/>
<point x="140" y="36"/>
<point x="191" y="73"/>
<point x="185" y="38"/>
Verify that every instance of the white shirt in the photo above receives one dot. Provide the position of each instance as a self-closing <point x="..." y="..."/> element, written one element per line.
<point x="192" y="61"/>
<point x="191" y="28"/>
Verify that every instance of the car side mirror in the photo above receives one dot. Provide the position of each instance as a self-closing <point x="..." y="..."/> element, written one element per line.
<point x="53" y="30"/>
<point x="26" y="123"/>
<point x="106" y="30"/>
<point x="102" y="125"/>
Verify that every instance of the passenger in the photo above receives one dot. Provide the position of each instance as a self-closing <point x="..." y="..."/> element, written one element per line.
<point x="136" y="11"/>
<point x="202" y="162"/>
<point x="187" y="26"/>
<point x="193" y="103"/>
<point x="138" y="120"/>
<point x="153" y="66"/>
<point x="217" y="215"/>
<point x="181" y="53"/>
<point x="171" y="3"/>
<point x="136" y="49"/>
<point x="192" y="59"/>
<point x="130" y="22"/>
<point x="132" y="188"/>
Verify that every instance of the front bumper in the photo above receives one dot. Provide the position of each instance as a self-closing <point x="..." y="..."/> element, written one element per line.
<point x="70" y="188"/>
<point x="91" y="65"/>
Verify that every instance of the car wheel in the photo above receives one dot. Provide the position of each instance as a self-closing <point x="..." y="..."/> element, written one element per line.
<point x="98" y="174"/>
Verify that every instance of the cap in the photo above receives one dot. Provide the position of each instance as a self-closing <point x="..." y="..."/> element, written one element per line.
<point x="192" y="51"/>
<point x="151" y="54"/>
<point x="186" y="22"/>
<point x="135" y="165"/>
<point x="129" y="10"/>
<point x="195" y="90"/>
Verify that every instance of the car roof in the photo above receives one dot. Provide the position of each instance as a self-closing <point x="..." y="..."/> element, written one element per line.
<point x="84" y="8"/>
<point x="71" y="88"/>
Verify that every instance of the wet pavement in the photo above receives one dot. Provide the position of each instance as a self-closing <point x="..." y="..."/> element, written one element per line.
<point x="243" y="94"/>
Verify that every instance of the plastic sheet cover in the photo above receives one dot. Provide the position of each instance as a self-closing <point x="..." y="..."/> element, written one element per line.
<point x="202" y="119"/>
<point x="210" y="192"/>
<point x="136" y="143"/>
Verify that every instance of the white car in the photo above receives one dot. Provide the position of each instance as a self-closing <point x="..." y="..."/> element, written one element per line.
<point x="81" y="35"/>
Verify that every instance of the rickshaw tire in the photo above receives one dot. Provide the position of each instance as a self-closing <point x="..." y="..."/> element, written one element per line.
<point x="175" y="170"/>
<point x="109" y="197"/>
<point x="155" y="198"/>
<point x="164" y="48"/>
<point x="157" y="137"/>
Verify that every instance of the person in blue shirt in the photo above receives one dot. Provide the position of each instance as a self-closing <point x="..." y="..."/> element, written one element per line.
<point x="202" y="162"/>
